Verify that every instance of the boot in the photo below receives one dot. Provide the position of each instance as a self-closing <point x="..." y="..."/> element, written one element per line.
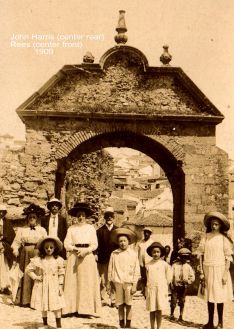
<point x="121" y="324"/>
<point x="128" y="324"/>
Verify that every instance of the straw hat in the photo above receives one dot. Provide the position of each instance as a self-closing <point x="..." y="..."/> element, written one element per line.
<point x="217" y="215"/>
<point x="148" y="229"/>
<point x="123" y="231"/>
<point x="54" y="200"/>
<point x="56" y="241"/>
<point x="155" y="245"/>
<point x="80" y="206"/>
<point x="109" y="210"/>
<point x="184" y="251"/>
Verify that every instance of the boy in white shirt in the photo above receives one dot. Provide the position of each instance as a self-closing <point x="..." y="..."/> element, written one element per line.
<point x="124" y="271"/>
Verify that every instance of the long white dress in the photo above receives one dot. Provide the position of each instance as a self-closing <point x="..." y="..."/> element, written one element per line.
<point x="216" y="248"/>
<point x="82" y="286"/>
<point x="45" y="293"/>
<point x="159" y="275"/>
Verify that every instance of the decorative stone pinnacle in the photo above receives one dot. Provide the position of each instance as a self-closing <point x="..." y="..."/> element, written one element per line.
<point x="121" y="29"/>
<point x="165" y="58"/>
<point x="88" y="57"/>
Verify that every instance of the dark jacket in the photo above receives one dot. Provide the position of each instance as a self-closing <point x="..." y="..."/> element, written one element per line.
<point x="105" y="245"/>
<point x="7" y="238"/>
<point x="62" y="226"/>
<point x="62" y="229"/>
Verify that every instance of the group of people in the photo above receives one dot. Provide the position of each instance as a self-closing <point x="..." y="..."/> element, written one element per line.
<point x="76" y="270"/>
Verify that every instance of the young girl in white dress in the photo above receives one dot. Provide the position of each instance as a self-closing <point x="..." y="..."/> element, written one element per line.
<point x="159" y="276"/>
<point x="215" y="252"/>
<point x="47" y="270"/>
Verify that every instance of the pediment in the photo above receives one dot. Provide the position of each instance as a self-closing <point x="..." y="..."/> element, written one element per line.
<point x="125" y="86"/>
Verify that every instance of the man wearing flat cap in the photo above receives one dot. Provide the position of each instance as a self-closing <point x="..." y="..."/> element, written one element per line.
<point x="143" y="256"/>
<point x="54" y="223"/>
<point x="105" y="248"/>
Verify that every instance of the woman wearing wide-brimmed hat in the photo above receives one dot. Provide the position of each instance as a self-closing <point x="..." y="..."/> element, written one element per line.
<point x="24" y="248"/>
<point x="7" y="235"/>
<point x="215" y="252"/>
<point x="81" y="287"/>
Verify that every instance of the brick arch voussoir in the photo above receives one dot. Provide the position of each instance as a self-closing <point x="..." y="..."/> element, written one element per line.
<point x="171" y="145"/>
<point x="67" y="147"/>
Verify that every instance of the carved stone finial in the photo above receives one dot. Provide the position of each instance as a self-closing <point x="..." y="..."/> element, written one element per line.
<point x="88" y="57"/>
<point x="165" y="58"/>
<point x="121" y="29"/>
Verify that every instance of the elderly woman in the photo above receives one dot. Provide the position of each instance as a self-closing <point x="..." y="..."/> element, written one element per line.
<point x="24" y="248"/>
<point x="81" y="288"/>
<point x="7" y="235"/>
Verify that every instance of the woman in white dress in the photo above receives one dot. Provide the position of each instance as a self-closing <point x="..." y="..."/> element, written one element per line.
<point x="24" y="248"/>
<point x="215" y="252"/>
<point x="81" y="287"/>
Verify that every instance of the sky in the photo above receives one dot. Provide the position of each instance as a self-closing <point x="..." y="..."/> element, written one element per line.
<point x="200" y="35"/>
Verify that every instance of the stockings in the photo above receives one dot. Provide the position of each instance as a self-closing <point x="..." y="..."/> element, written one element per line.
<point x="211" y="313"/>
<point x="220" y="312"/>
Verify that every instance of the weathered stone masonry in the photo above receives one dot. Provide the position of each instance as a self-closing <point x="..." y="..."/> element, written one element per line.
<point x="123" y="102"/>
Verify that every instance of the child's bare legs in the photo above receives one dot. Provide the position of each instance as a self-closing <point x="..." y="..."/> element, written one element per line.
<point x="58" y="318"/>
<point x="128" y="316"/>
<point x="121" y="315"/>
<point x="152" y="320"/>
<point x="44" y="318"/>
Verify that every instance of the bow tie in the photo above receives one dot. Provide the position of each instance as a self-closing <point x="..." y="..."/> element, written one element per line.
<point x="32" y="228"/>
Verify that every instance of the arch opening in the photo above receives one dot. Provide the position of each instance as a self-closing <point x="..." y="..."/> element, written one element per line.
<point x="153" y="149"/>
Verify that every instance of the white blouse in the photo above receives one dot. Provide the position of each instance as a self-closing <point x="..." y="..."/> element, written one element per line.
<point x="215" y="248"/>
<point x="27" y="235"/>
<point x="81" y="234"/>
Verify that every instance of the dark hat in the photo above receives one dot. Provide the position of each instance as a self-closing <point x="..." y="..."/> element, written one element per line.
<point x="54" y="200"/>
<point x="35" y="209"/>
<point x="155" y="245"/>
<point x="217" y="215"/>
<point x="123" y="231"/>
<point x="58" y="243"/>
<point x="80" y="206"/>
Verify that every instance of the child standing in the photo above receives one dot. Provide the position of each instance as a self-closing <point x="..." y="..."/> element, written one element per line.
<point x="182" y="276"/>
<point x="47" y="270"/>
<point x="159" y="276"/>
<point x="124" y="271"/>
<point x="215" y="252"/>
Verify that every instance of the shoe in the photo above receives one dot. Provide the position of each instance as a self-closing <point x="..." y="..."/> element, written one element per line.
<point x="172" y="318"/>
<point x="219" y="326"/>
<point x="208" y="326"/>
<point x="128" y="324"/>
<point x="121" y="324"/>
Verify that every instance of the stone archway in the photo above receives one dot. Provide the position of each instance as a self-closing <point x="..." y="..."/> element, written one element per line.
<point x="122" y="101"/>
<point x="172" y="165"/>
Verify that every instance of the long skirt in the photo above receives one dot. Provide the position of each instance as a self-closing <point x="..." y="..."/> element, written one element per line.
<point x="82" y="286"/>
<point x="24" y="292"/>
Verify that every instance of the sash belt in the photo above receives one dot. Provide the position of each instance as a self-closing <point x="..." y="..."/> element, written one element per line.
<point x="82" y="245"/>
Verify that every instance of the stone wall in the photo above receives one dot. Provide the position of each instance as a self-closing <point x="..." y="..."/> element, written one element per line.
<point x="24" y="178"/>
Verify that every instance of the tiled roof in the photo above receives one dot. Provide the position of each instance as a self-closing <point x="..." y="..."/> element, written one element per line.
<point x="158" y="218"/>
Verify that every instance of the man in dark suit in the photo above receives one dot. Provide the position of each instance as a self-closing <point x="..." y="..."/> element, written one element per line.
<point x="105" y="248"/>
<point x="54" y="223"/>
